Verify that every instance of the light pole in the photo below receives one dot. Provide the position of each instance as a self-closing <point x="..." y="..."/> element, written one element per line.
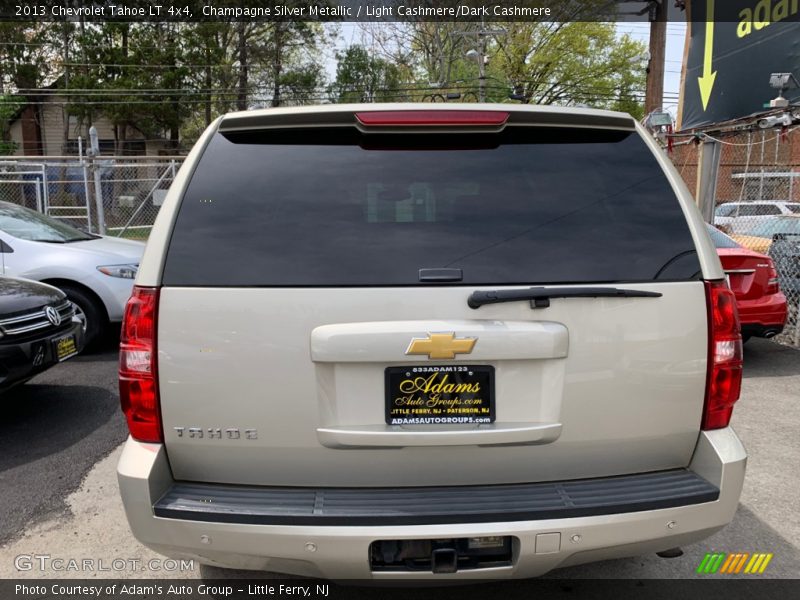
<point x="478" y="55"/>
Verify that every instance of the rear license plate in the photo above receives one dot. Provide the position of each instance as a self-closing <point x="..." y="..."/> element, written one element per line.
<point x="65" y="347"/>
<point x="439" y="395"/>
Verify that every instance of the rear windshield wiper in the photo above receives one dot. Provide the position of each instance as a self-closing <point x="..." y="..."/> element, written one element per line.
<point x="540" y="296"/>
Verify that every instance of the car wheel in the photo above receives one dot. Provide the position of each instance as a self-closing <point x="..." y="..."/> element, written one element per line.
<point x="88" y="312"/>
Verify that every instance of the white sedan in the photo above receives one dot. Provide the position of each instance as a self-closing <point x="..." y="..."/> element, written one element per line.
<point x="96" y="273"/>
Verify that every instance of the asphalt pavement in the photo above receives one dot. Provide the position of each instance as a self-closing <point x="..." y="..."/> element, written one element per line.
<point x="60" y="438"/>
<point x="54" y="429"/>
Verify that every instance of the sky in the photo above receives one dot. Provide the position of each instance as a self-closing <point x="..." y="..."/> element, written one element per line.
<point x="674" y="56"/>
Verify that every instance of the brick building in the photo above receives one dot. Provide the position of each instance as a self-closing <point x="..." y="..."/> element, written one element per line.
<point x="755" y="163"/>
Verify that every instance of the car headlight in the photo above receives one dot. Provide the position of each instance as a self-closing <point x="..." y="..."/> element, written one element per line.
<point x="123" y="271"/>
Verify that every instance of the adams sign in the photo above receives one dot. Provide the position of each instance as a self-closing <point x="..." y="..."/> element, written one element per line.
<point x="732" y="48"/>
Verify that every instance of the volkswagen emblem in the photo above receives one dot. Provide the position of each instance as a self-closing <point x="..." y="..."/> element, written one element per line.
<point x="52" y="315"/>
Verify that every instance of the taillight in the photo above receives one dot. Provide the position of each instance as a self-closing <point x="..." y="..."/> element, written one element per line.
<point x="724" y="356"/>
<point x="138" y="381"/>
<point x="772" y="283"/>
<point x="391" y="118"/>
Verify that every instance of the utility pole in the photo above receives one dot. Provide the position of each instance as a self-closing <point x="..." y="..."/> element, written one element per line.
<point x="241" y="99"/>
<point x="84" y="64"/>
<point x="480" y="54"/>
<point x="482" y="66"/>
<point x="94" y="152"/>
<point x="65" y="26"/>
<point x="654" y="90"/>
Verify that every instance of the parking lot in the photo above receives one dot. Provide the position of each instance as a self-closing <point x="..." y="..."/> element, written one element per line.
<point x="61" y="433"/>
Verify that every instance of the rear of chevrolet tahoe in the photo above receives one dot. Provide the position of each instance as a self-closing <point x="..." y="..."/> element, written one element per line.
<point x="414" y="341"/>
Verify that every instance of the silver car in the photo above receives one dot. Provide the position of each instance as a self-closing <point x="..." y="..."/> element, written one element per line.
<point x="95" y="272"/>
<point x="419" y="341"/>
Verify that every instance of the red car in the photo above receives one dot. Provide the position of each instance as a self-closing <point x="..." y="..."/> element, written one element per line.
<point x="754" y="281"/>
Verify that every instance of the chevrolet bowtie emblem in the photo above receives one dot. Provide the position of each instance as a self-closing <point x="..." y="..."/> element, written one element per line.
<point x="441" y="345"/>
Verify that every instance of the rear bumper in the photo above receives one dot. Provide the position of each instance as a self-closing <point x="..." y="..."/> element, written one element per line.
<point x="322" y="549"/>
<point x="761" y="330"/>
<point x="763" y="317"/>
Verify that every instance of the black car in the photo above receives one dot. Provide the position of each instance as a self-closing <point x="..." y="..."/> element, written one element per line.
<point x="785" y="251"/>
<point x="37" y="330"/>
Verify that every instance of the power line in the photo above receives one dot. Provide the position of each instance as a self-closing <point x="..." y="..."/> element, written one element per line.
<point x="216" y="91"/>
<point x="326" y="98"/>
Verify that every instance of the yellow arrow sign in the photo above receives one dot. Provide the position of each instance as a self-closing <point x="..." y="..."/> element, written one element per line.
<point x="706" y="80"/>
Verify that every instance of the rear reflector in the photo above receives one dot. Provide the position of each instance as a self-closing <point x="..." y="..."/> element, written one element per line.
<point x="425" y="118"/>
<point x="772" y="282"/>
<point x="138" y="382"/>
<point x="724" y="356"/>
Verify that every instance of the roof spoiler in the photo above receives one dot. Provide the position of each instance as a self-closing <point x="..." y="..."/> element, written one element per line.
<point x="341" y="116"/>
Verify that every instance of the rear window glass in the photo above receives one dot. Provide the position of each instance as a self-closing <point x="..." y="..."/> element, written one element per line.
<point x="333" y="207"/>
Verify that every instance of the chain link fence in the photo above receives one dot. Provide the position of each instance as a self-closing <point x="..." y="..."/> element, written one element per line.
<point x="110" y="195"/>
<point x="23" y="184"/>
<point x="757" y="202"/>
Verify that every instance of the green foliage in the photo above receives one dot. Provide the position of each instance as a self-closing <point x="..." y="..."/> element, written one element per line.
<point x="23" y="65"/>
<point x="9" y="105"/>
<point x="577" y="61"/>
<point x="7" y="148"/>
<point x="362" y="77"/>
<point x="292" y="53"/>
<point x="572" y="63"/>
<point x="299" y="83"/>
<point x="134" y="75"/>
<point x="168" y="79"/>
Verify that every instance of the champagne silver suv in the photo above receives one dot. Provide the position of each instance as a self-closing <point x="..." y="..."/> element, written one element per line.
<point x="420" y="341"/>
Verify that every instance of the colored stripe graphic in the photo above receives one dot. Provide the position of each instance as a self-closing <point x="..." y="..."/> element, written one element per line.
<point x="728" y="563"/>
<point x="763" y="567"/>
<point x="711" y="562"/>
<point x="758" y="563"/>
<point x="701" y="568"/>
<point x="754" y="563"/>
<point x="743" y="557"/>
<point x="734" y="563"/>
<point x="719" y="557"/>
